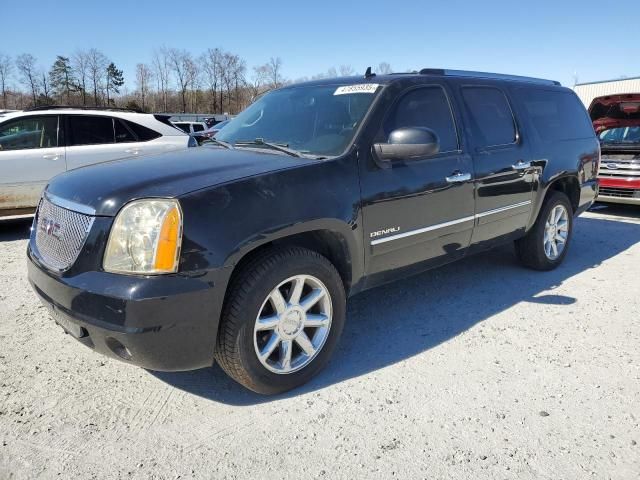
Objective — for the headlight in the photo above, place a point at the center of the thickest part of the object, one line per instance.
(145, 238)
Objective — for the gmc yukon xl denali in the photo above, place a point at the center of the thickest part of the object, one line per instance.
(244, 252)
(616, 120)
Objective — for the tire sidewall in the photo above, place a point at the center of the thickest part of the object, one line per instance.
(270, 382)
(556, 199)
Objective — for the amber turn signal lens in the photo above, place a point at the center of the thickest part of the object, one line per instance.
(169, 242)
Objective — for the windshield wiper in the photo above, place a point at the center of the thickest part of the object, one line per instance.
(220, 142)
(284, 148)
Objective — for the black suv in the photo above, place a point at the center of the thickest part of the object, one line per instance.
(246, 250)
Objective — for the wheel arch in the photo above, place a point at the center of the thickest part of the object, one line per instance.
(333, 241)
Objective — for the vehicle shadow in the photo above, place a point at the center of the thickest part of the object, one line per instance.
(12, 229)
(616, 209)
(391, 323)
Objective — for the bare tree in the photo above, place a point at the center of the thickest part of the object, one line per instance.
(44, 83)
(80, 62)
(161, 67)
(212, 69)
(97, 64)
(144, 76)
(275, 71)
(193, 80)
(332, 72)
(259, 81)
(26, 64)
(6, 68)
(179, 61)
(346, 70)
(384, 68)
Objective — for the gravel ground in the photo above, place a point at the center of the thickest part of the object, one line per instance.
(480, 369)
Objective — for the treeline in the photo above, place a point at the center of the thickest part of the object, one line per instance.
(175, 80)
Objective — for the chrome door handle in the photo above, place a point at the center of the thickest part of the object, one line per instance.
(51, 156)
(458, 177)
(520, 165)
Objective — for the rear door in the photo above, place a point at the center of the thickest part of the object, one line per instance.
(92, 139)
(502, 162)
(30, 156)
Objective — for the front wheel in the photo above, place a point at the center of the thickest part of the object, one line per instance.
(282, 319)
(545, 245)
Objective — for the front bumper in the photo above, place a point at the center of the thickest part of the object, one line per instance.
(624, 190)
(166, 323)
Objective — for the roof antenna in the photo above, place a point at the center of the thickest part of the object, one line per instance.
(368, 73)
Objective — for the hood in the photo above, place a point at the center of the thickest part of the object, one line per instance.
(106, 187)
(613, 111)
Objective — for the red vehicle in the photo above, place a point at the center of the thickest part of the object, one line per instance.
(616, 120)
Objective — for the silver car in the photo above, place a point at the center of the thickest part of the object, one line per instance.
(37, 144)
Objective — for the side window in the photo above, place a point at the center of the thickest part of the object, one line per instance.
(491, 118)
(123, 134)
(28, 133)
(88, 130)
(555, 115)
(197, 127)
(144, 134)
(425, 107)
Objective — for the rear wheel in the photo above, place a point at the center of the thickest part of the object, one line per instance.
(282, 320)
(546, 244)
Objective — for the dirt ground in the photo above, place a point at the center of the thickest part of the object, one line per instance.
(478, 370)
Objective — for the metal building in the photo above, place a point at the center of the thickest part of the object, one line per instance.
(588, 91)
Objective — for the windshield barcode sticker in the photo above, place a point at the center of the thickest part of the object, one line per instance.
(361, 88)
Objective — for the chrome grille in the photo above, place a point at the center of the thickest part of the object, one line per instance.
(60, 234)
(618, 192)
(611, 166)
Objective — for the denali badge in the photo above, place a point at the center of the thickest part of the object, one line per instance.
(386, 231)
(51, 228)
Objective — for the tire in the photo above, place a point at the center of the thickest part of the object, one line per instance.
(252, 297)
(531, 249)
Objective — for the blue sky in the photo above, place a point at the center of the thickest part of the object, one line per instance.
(541, 38)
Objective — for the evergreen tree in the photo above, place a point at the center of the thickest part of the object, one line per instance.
(62, 79)
(115, 80)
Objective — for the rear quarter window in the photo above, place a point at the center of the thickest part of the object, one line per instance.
(144, 134)
(555, 115)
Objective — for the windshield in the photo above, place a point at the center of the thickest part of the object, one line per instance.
(621, 135)
(314, 120)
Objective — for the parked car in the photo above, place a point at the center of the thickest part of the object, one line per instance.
(616, 119)
(247, 251)
(209, 132)
(37, 144)
(191, 127)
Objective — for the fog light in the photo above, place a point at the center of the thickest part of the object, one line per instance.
(118, 348)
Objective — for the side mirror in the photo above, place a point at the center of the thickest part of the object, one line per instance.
(408, 143)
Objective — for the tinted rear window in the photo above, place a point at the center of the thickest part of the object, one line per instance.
(197, 127)
(555, 115)
(491, 117)
(87, 130)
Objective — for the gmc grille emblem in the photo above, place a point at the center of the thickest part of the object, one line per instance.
(51, 228)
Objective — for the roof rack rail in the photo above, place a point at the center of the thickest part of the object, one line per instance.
(57, 107)
(497, 76)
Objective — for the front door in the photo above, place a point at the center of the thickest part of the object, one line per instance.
(29, 158)
(502, 162)
(417, 213)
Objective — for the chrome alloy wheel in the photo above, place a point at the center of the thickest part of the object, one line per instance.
(293, 324)
(556, 232)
